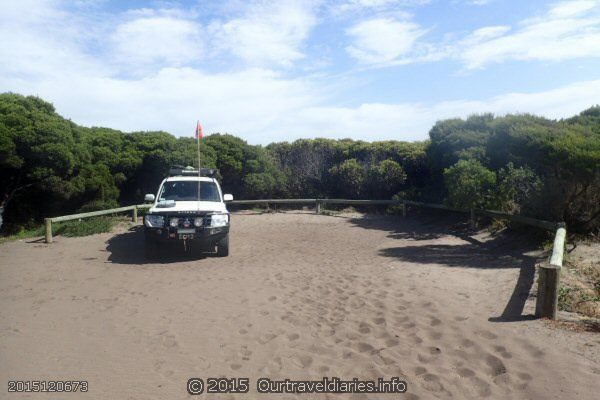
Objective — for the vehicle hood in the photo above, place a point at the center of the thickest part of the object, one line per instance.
(183, 206)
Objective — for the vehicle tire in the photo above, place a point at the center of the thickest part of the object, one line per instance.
(223, 247)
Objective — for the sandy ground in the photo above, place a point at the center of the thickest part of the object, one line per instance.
(301, 296)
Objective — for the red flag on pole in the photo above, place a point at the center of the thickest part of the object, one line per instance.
(199, 131)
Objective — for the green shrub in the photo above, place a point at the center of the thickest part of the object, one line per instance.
(84, 227)
(470, 185)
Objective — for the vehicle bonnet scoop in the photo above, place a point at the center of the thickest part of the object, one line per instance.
(165, 204)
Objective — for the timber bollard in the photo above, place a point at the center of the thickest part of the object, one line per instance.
(318, 207)
(404, 209)
(48, 223)
(473, 221)
(134, 217)
(546, 304)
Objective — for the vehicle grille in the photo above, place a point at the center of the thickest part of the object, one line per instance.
(187, 220)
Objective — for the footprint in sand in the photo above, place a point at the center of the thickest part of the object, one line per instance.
(503, 352)
(486, 335)
(303, 360)
(382, 360)
(245, 353)
(432, 354)
(435, 335)
(274, 366)
(293, 336)
(364, 347)
(266, 338)
(524, 376)
(465, 372)
(496, 365)
(482, 389)
(364, 328)
(409, 325)
(415, 339)
(323, 369)
(432, 383)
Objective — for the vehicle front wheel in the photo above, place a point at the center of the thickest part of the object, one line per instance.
(223, 247)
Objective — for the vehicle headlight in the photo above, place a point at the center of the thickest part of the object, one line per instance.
(154, 221)
(198, 222)
(174, 222)
(217, 220)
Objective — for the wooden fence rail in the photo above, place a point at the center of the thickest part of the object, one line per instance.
(549, 272)
(134, 212)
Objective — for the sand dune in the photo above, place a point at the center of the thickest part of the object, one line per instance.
(301, 297)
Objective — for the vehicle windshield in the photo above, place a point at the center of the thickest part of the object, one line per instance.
(188, 191)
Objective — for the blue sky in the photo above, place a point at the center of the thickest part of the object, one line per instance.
(282, 70)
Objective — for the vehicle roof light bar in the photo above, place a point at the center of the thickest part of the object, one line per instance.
(178, 170)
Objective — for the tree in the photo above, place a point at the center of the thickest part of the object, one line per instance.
(469, 185)
(385, 179)
(349, 177)
(519, 163)
(517, 187)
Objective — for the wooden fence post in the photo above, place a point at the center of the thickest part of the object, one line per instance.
(472, 219)
(318, 207)
(546, 304)
(48, 222)
(403, 208)
(134, 217)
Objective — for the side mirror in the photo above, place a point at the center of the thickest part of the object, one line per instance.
(227, 197)
(149, 198)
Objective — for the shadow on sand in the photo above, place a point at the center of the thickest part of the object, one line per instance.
(508, 249)
(128, 248)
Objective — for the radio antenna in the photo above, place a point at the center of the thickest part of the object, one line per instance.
(198, 137)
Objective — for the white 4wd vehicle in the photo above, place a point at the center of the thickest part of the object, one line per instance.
(190, 209)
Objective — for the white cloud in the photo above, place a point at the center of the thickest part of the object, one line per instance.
(261, 106)
(412, 121)
(382, 40)
(487, 33)
(157, 39)
(37, 39)
(569, 30)
(45, 53)
(374, 5)
(267, 33)
(572, 8)
(478, 2)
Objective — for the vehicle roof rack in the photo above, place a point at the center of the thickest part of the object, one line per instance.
(178, 170)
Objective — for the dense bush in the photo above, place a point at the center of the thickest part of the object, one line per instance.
(518, 163)
(470, 185)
